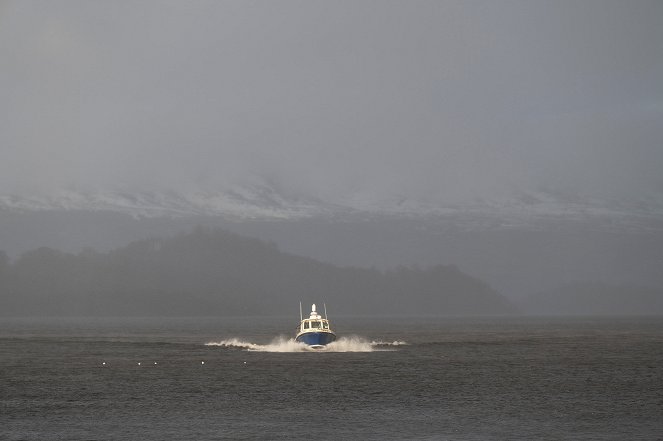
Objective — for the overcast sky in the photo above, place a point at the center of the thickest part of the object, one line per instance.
(436, 100)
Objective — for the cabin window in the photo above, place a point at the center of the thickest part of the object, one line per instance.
(306, 325)
(315, 325)
(325, 325)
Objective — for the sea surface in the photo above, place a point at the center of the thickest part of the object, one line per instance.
(387, 378)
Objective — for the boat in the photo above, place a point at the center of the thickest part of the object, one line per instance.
(314, 331)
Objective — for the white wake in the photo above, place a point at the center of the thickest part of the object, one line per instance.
(283, 344)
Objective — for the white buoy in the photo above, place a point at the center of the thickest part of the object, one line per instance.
(202, 362)
(155, 362)
(104, 363)
(139, 363)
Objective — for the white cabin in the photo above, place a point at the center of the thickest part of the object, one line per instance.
(315, 322)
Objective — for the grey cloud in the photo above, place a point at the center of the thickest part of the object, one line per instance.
(435, 100)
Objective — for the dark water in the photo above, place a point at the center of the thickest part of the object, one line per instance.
(524, 378)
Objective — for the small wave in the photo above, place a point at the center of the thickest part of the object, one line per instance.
(387, 343)
(282, 344)
(350, 344)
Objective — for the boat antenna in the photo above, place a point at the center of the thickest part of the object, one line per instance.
(325, 306)
(301, 317)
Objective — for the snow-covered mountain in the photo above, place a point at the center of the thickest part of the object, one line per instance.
(261, 202)
(235, 203)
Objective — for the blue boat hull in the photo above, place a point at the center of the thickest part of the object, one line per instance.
(316, 338)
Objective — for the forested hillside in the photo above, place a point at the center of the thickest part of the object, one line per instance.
(213, 272)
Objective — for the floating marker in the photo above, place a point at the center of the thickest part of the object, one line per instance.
(244, 362)
(155, 362)
(202, 362)
(139, 363)
(104, 363)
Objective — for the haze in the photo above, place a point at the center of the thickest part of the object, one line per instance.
(433, 100)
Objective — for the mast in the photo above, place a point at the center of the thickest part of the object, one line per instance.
(325, 306)
(301, 317)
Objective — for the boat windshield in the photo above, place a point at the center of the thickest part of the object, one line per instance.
(315, 324)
